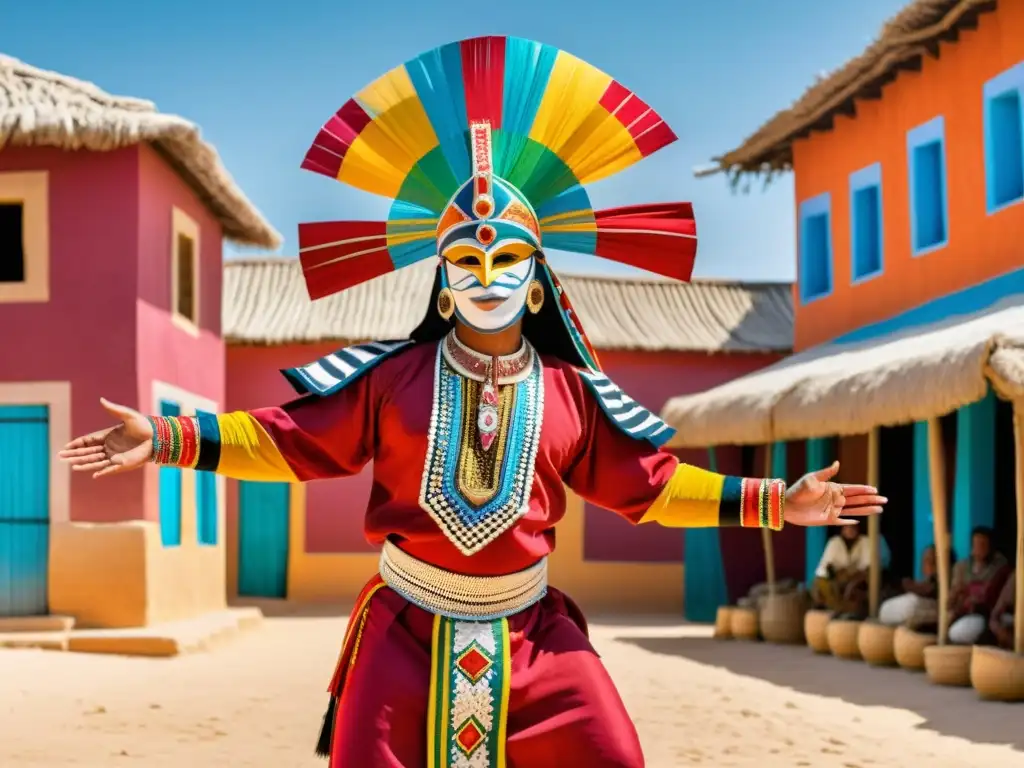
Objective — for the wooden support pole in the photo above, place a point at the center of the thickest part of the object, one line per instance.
(766, 534)
(1018, 611)
(937, 477)
(874, 531)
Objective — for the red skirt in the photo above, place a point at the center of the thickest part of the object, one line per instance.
(560, 705)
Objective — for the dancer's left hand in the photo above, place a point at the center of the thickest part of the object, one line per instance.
(815, 500)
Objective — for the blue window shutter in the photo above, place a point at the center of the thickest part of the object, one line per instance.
(929, 214)
(206, 508)
(170, 491)
(815, 248)
(1004, 139)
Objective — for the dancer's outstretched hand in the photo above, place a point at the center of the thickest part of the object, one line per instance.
(126, 446)
(815, 500)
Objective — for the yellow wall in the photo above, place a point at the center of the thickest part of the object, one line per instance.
(121, 575)
(321, 577)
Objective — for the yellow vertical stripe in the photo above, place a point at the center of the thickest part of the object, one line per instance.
(446, 680)
(435, 648)
(690, 499)
(506, 688)
(398, 136)
(248, 452)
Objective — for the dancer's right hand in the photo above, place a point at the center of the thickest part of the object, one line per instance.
(121, 448)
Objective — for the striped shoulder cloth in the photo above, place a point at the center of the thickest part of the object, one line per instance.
(333, 372)
(626, 413)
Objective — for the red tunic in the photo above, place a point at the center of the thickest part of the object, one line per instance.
(385, 417)
(561, 706)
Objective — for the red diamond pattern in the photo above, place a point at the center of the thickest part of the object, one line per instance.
(470, 736)
(473, 663)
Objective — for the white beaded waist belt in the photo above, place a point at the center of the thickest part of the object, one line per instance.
(466, 598)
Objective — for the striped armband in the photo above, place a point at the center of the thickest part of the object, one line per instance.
(192, 442)
(753, 503)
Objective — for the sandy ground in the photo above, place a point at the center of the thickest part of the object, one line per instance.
(258, 701)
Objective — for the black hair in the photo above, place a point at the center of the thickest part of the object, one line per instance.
(546, 330)
(983, 530)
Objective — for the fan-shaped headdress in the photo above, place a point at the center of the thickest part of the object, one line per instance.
(483, 137)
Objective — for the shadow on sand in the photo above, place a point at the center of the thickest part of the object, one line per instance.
(274, 609)
(950, 711)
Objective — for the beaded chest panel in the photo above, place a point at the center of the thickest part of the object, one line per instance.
(476, 494)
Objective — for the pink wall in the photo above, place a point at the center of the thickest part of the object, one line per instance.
(161, 190)
(652, 379)
(110, 242)
(83, 334)
(334, 508)
(166, 353)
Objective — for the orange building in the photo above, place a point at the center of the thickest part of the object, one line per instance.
(909, 179)
(912, 193)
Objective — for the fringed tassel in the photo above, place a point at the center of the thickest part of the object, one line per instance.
(323, 744)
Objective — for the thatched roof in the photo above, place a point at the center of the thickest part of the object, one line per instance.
(265, 303)
(912, 33)
(40, 108)
(847, 389)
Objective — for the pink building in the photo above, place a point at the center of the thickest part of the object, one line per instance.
(654, 338)
(112, 218)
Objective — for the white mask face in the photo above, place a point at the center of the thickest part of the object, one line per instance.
(495, 306)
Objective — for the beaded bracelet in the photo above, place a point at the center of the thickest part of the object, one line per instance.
(175, 440)
(763, 503)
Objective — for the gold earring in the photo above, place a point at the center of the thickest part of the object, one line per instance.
(535, 297)
(445, 304)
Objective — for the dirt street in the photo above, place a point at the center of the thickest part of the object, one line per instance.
(257, 701)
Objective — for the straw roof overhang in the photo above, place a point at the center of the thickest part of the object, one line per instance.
(847, 389)
(914, 32)
(40, 108)
(266, 304)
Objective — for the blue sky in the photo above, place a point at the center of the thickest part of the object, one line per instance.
(261, 77)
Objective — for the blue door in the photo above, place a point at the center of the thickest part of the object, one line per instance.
(24, 509)
(263, 539)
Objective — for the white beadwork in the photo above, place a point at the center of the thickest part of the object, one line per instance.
(468, 631)
(470, 699)
(470, 537)
(460, 596)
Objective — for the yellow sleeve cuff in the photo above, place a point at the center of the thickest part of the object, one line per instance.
(696, 498)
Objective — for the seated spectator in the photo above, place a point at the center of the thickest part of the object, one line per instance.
(841, 581)
(1001, 620)
(977, 581)
(919, 599)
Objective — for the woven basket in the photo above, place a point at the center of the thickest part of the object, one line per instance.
(877, 644)
(842, 638)
(816, 630)
(743, 623)
(908, 647)
(723, 623)
(997, 674)
(782, 617)
(948, 664)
